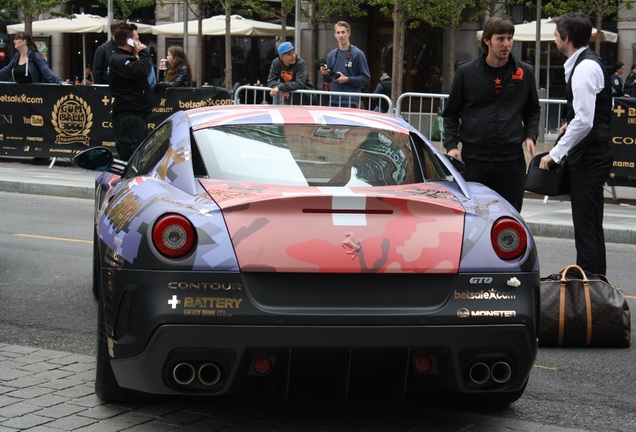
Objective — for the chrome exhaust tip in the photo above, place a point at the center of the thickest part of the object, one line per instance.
(183, 373)
(479, 373)
(501, 372)
(209, 374)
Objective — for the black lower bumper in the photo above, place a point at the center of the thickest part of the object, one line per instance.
(452, 350)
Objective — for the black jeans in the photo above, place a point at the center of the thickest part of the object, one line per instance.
(506, 178)
(130, 130)
(588, 170)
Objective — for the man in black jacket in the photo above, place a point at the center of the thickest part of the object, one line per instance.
(129, 67)
(103, 53)
(495, 99)
(616, 80)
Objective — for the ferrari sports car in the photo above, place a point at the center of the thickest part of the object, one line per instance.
(306, 246)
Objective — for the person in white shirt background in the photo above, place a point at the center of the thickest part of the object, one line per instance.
(586, 137)
(616, 80)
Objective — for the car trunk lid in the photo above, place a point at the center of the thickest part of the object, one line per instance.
(415, 228)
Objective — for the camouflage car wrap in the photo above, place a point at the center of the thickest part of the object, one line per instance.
(279, 271)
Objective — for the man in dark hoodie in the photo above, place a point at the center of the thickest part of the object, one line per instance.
(129, 67)
(287, 73)
(384, 87)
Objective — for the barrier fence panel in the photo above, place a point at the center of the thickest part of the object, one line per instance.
(50, 120)
(250, 94)
(423, 111)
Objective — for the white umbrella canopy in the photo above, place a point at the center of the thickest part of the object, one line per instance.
(82, 23)
(527, 32)
(215, 26)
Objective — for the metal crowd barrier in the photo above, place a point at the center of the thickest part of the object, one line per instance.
(421, 110)
(252, 94)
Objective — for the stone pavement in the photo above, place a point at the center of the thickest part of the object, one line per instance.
(52, 391)
(48, 391)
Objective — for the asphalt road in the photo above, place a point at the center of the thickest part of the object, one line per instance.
(46, 302)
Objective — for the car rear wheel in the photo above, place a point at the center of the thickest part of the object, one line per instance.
(97, 276)
(106, 386)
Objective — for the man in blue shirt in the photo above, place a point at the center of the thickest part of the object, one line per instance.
(346, 69)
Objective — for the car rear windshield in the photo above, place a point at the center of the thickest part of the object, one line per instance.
(303, 155)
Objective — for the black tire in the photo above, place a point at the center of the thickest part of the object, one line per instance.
(106, 387)
(97, 268)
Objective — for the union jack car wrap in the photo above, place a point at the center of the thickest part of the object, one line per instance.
(246, 245)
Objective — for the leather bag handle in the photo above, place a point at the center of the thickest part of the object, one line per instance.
(588, 304)
(564, 272)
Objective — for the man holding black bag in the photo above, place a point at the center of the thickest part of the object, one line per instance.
(586, 138)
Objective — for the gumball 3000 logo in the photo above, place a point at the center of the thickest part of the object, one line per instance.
(72, 119)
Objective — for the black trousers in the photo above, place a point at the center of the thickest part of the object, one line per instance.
(505, 178)
(130, 130)
(588, 170)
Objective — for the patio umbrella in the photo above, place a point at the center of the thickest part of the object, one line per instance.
(215, 26)
(527, 32)
(81, 23)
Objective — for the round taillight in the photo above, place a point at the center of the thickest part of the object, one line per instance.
(173, 236)
(509, 239)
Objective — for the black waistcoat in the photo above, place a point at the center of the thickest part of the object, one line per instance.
(600, 133)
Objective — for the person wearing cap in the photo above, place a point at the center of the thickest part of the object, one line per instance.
(383, 87)
(287, 73)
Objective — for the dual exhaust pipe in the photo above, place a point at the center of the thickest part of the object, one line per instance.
(481, 373)
(205, 375)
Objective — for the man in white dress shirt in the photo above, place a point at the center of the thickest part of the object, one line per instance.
(586, 137)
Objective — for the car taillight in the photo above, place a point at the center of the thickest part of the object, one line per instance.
(509, 239)
(173, 236)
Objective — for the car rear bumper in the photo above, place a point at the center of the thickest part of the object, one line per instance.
(342, 351)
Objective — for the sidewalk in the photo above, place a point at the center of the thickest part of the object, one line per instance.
(545, 219)
(52, 391)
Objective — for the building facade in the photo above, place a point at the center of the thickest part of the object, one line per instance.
(426, 63)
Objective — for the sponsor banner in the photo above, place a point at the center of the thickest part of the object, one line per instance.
(623, 129)
(49, 120)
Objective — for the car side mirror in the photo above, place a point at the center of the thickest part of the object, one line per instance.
(94, 159)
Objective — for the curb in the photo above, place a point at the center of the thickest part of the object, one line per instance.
(65, 191)
(554, 229)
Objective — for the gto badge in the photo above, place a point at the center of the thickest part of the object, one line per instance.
(480, 280)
